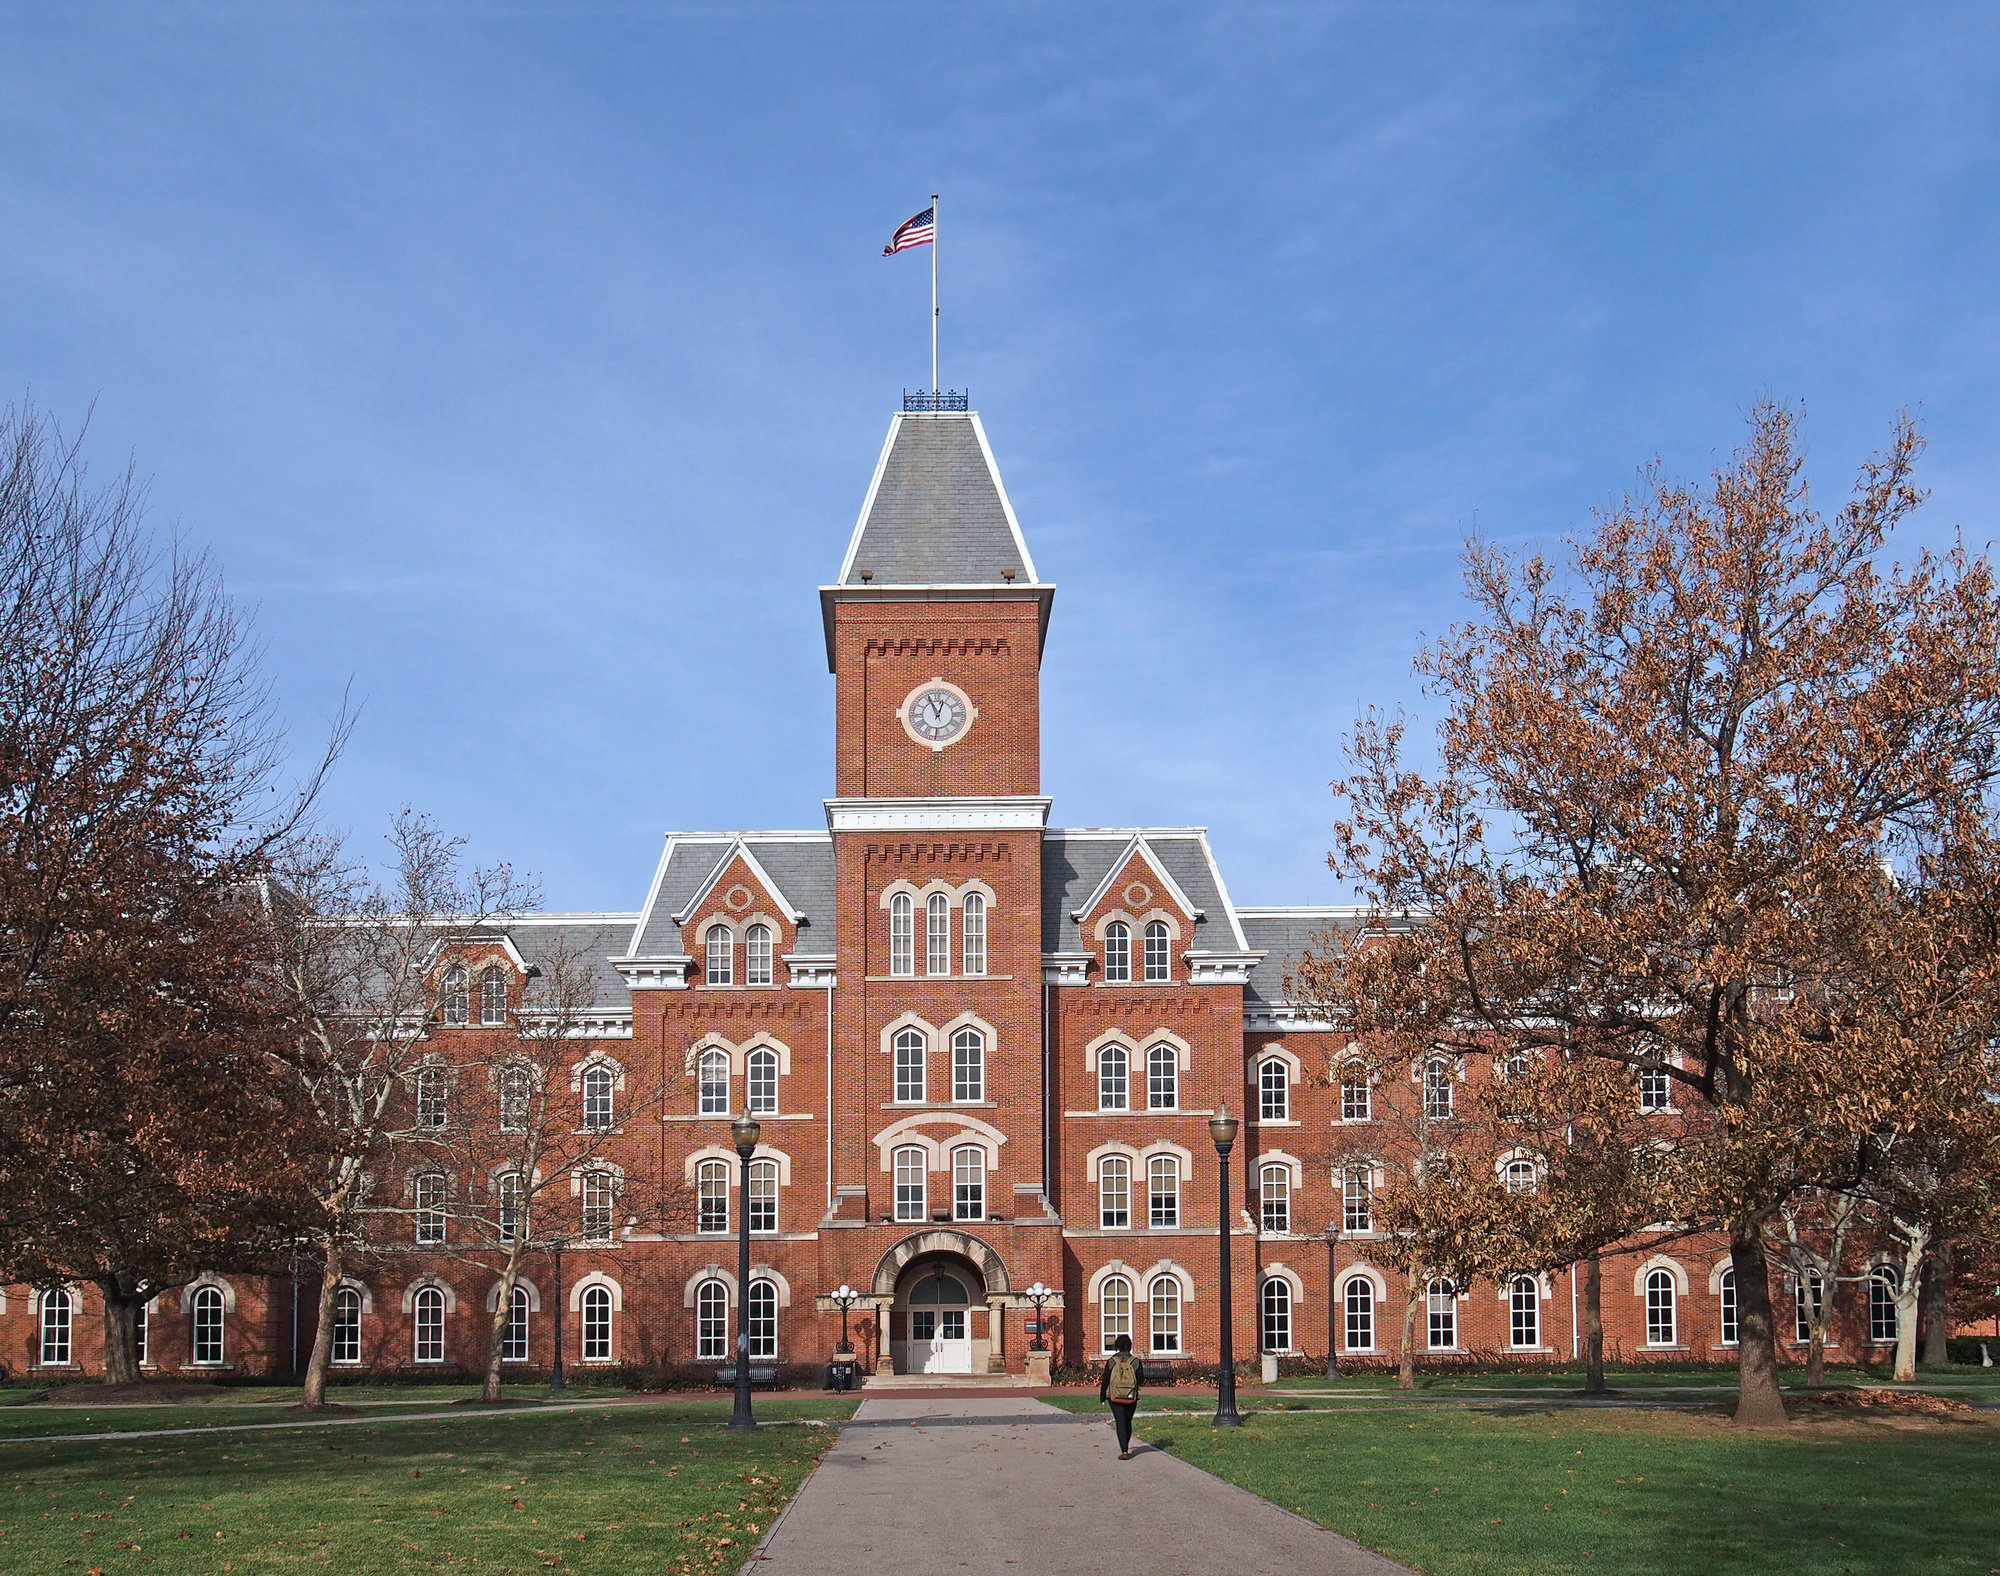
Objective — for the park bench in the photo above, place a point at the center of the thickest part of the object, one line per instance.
(761, 1377)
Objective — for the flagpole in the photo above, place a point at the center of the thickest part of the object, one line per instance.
(934, 303)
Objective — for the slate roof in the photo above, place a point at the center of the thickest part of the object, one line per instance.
(1283, 935)
(592, 939)
(1076, 861)
(936, 512)
(800, 865)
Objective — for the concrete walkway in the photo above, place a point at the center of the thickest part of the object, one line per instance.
(1005, 1486)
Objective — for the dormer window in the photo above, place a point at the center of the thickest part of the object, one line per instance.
(1117, 953)
(757, 955)
(493, 996)
(721, 951)
(1158, 958)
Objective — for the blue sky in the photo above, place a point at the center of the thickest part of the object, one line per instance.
(525, 364)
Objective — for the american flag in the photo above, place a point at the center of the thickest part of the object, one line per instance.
(918, 230)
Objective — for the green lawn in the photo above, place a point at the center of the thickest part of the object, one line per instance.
(1460, 1491)
(658, 1488)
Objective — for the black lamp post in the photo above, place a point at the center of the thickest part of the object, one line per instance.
(1039, 1295)
(1222, 1127)
(844, 1299)
(1332, 1305)
(745, 1130)
(556, 1245)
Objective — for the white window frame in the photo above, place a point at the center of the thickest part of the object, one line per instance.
(492, 997)
(937, 936)
(1275, 1308)
(1662, 1308)
(510, 1195)
(433, 1098)
(1163, 1322)
(968, 1066)
(762, 1324)
(454, 1001)
(597, 1198)
(763, 1203)
(902, 935)
(427, 1199)
(1114, 1304)
(711, 1183)
(595, 1308)
(711, 1321)
(514, 1338)
(1274, 1199)
(1117, 953)
(972, 937)
(1519, 1176)
(209, 1326)
(718, 952)
(1163, 1078)
(1656, 1091)
(1114, 1078)
(757, 955)
(1729, 1310)
(1440, 1097)
(1274, 1090)
(910, 1174)
(427, 1311)
(1163, 1192)
(1811, 1284)
(760, 1081)
(1114, 1193)
(516, 1097)
(1158, 956)
(1524, 1314)
(1882, 1289)
(1357, 1200)
(57, 1342)
(910, 1048)
(1441, 1315)
(346, 1340)
(1357, 1094)
(600, 1085)
(968, 1182)
(1357, 1304)
(711, 1092)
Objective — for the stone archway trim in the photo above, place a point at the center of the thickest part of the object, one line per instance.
(940, 1240)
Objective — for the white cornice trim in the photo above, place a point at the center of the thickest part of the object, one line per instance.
(1284, 1016)
(1221, 968)
(1065, 968)
(814, 972)
(1005, 813)
(661, 973)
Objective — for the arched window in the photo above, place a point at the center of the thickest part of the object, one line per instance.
(1660, 1311)
(433, 1108)
(1114, 1192)
(1441, 1303)
(763, 1082)
(1163, 1191)
(937, 934)
(1358, 1303)
(902, 934)
(346, 1325)
(1274, 1198)
(1357, 1199)
(1514, 1066)
(596, 1324)
(1274, 1090)
(1524, 1312)
(711, 1187)
(1356, 1097)
(517, 1089)
(599, 1192)
(598, 1085)
(511, 1196)
(763, 1198)
(910, 1047)
(968, 1065)
(1117, 953)
(492, 996)
(1655, 1090)
(427, 1194)
(757, 955)
(1808, 1297)
(713, 1076)
(1114, 1301)
(719, 950)
(514, 1339)
(452, 1002)
(1166, 1301)
(763, 1320)
(1437, 1090)
(1725, 1297)
(711, 1320)
(1519, 1176)
(1158, 958)
(208, 1312)
(972, 950)
(1277, 1301)
(428, 1325)
(1114, 1079)
(1882, 1320)
(58, 1314)
(968, 1183)
(1163, 1077)
(912, 1173)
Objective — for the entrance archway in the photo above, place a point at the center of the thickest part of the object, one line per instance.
(935, 1310)
(943, 1291)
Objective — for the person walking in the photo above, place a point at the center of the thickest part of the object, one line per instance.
(1120, 1389)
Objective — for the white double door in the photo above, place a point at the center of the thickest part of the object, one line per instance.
(940, 1342)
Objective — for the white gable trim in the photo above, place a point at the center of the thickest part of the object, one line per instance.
(1138, 845)
(736, 847)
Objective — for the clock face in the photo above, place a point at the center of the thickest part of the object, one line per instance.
(937, 713)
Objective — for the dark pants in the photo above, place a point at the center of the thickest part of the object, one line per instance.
(1121, 1419)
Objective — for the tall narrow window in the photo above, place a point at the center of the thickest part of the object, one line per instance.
(719, 953)
(427, 1194)
(711, 1320)
(910, 1047)
(452, 1002)
(1166, 1300)
(764, 1198)
(937, 934)
(1725, 1296)
(599, 1193)
(762, 1071)
(492, 996)
(902, 934)
(142, 1332)
(1163, 1078)
(1114, 1192)
(1274, 1090)
(1114, 1301)
(347, 1325)
(516, 1091)
(1163, 1191)
(972, 947)
(763, 1320)
(1660, 1320)
(1274, 1198)
(912, 1172)
(714, 1081)
(1114, 1079)
(432, 1108)
(1356, 1096)
(58, 1314)
(1518, 1175)
(1358, 1303)
(1441, 1303)
(1655, 1090)
(757, 955)
(208, 1312)
(1882, 1320)
(1808, 1297)
(1437, 1090)
(598, 1086)
(514, 1339)
(1357, 1199)
(712, 1197)
(1277, 1300)
(1524, 1313)
(596, 1324)
(968, 1065)
(510, 1195)
(428, 1325)
(1159, 964)
(968, 1183)
(1117, 953)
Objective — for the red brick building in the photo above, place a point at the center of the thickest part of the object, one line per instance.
(983, 1050)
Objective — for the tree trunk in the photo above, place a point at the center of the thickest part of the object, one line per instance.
(1758, 1399)
(1593, 1325)
(1406, 1356)
(312, 1394)
(1916, 1238)
(121, 1331)
(496, 1335)
(1937, 1314)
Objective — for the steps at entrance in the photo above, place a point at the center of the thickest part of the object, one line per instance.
(947, 1382)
